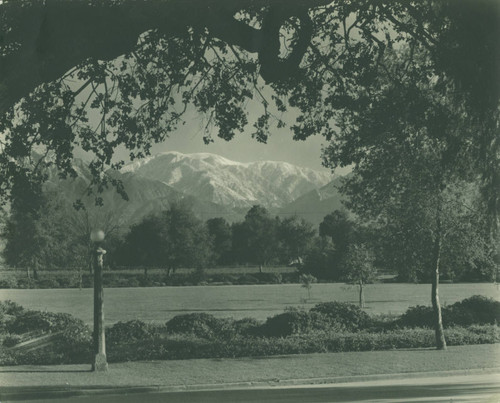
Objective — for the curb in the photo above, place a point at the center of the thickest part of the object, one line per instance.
(61, 391)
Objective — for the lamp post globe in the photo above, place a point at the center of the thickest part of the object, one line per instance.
(97, 235)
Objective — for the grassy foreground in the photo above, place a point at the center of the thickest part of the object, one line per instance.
(216, 371)
(159, 304)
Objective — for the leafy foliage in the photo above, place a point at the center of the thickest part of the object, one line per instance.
(343, 314)
(476, 310)
(130, 332)
(201, 325)
(295, 321)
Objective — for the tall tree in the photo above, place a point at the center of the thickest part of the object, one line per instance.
(220, 232)
(320, 260)
(342, 231)
(295, 237)
(186, 242)
(144, 244)
(255, 239)
(175, 238)
(410, 141)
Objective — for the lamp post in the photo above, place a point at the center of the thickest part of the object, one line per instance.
(100, 363)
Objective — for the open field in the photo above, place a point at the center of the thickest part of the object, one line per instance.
(259, 301)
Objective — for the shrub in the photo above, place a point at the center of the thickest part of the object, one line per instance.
(343, 314)
(67, 282)
(418, 316)
(10, 308)
(247, 279)
(75, 343)
(295, 321)
(201, 325)
(246, 326)
(37, 321)
(131, 331)
(47, 283)
(9, 282)
(474, 310)
(23, 282)
(11, 340)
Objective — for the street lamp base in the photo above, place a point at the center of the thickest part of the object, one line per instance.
(100, 363)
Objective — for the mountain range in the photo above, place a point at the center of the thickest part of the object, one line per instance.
(213, 186)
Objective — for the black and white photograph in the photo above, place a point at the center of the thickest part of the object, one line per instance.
(250, 201)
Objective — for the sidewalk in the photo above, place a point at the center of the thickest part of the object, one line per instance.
(24, 382)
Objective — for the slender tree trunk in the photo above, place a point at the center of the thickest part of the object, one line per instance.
(260, 268)
(361, 295)
(91, 266)
(80, 282)
(438, 319)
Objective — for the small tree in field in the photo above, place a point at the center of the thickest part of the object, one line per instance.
(359, 268)
(307, 281)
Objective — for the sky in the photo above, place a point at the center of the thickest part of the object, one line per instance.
(243, 148)
(188, 138)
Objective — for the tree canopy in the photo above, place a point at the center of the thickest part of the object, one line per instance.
(140, 65)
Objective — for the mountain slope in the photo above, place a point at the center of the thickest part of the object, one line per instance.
(216, 179)
(145, 197)
(314, 205)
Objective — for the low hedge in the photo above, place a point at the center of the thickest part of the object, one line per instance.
(190, 347)
(328, 327)
(113, 279)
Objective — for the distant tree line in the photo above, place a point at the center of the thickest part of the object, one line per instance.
(343, 248)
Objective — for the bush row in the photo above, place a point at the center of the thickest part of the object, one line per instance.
(121, 279)
(177, 347)
(474, 310)
(327, 327)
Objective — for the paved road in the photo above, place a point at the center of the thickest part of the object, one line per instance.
(476, 388)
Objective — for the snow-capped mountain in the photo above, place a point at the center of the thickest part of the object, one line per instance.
(219, 180)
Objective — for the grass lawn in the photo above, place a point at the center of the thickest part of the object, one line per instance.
(190, 372)
(258, 301)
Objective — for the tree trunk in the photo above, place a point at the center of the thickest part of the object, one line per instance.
(438, 319)
(91, 266)
(260, 268)
(361, 295)
(80, 278)
(46, 32)
(29, 276)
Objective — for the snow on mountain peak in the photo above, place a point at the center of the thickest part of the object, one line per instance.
(217, 179)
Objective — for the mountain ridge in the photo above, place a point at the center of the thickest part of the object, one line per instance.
(217, 179)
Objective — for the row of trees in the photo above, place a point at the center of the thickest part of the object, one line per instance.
(57, 236)
(176, 238)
